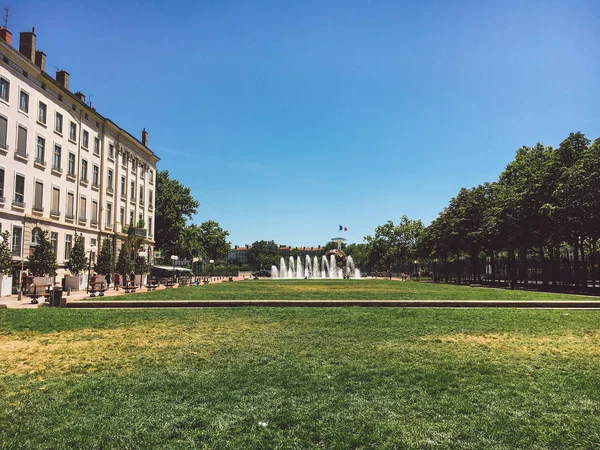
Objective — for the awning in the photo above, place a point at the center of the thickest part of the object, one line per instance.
(170, 268)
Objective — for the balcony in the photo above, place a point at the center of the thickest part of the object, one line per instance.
(94, 222)
(55, 212)
(57, 171)
(2, 199)
(69, 216)
(16, 250)
(22, 156)
(4, 148)
(141, 203)
(109, 190)
(140, 232)
(84, 182)
(38, 208)
(82, 219)
(40, 164)
(18, 204)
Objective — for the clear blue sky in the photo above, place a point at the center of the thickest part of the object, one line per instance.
(289, 118)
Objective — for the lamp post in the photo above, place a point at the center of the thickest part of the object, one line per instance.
(416, 261)
(92, 250)
(173, 259)
(212, 262)
(194, 261)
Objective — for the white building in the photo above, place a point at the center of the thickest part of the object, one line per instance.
(64, 167)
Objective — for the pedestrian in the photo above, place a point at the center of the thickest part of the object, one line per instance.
(132, 279)
(107, 278)
(117, 279)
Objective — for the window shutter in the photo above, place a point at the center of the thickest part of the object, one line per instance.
(22, 140)
(3, 125)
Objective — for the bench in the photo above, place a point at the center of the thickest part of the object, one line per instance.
(36, 291)
(130, 287)
(170, 284)
(93, 289)
(152, 286)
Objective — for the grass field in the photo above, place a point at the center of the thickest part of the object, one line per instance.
(340, 290)
(318, 378)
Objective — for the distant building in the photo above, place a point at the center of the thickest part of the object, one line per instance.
(65, 168)
(240, 254)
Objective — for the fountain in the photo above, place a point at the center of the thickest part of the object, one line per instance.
(334, 264)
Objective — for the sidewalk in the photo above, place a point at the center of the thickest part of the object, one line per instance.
(12, 301)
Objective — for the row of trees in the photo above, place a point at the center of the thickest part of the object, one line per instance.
(175, 205)
(538, 220)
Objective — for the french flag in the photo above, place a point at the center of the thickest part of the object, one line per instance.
(343, 228)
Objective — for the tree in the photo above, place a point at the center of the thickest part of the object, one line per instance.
(78, 260)
(174, 205)
(190, 245)
(5, 254)
(43, 261)
(105, 262)
(360, 254)
(213, 240)
(141, 265)
(263, 254)
(124, 265)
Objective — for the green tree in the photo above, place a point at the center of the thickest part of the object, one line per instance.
(105, 262)
(263, 254)
(174, 205)
(124, 265)
(78, 260)
(213, 240)
(43, 261)
(141, 265)
(360, 254)
(5, 254)
(191, 243)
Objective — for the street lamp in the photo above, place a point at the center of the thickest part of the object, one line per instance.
(416, 261)
(92, 250)
(212, 262)
(173, 259)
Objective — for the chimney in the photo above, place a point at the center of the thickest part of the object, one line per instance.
(6, 35)
(27, 44)
(40, 60)
(62, 76)
(145, 137)
(80, 96)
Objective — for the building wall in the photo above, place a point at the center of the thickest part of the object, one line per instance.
(97, 147)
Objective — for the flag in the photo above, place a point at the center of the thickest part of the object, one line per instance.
(343, 228)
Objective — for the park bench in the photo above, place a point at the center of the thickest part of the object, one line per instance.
(152, 285)
(97, 287)
(170, 284)
(36, 291)
(130, 287)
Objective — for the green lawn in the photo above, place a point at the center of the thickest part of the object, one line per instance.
(339, 290)
(318, 377)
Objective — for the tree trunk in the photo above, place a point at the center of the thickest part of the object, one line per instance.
(524, 267)
(577, 266)
(543, 266)
(493, 266)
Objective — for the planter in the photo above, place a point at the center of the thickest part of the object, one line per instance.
(5, 285)
(76, 282)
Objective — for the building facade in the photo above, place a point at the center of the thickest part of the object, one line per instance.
(65, 168)
(240, 254)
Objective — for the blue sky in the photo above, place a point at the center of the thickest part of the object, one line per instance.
(289, 118)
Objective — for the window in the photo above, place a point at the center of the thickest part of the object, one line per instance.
(94, 211)
(24, 102)
(20, 189)
(84, 170)
(122, 215)
(131, 217)
(38, 199)
(4, 89)
(56, 158)
(68, 245)
(54, 241)
(150, 225)
(70, 205)
(142, 172)
(132, 191)
(140, 217)
(39, 149)
(17, 234)
(109, 179)
(86, 139)
(95, 175)
(150, 199)
(1, 184)
(83, 209)
(108, 214)
(58, 123)
(55, 201)
(73, 131)
(133, 167)
(141, 194)
(111, 151)
(151, 177)
(123, 193)
(3, 128)
(42, 113)
(36, 237)
(96, 146)
(22, 141)
(71, 168)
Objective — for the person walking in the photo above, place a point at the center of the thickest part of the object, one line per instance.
(117, 279)
(107, 277)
